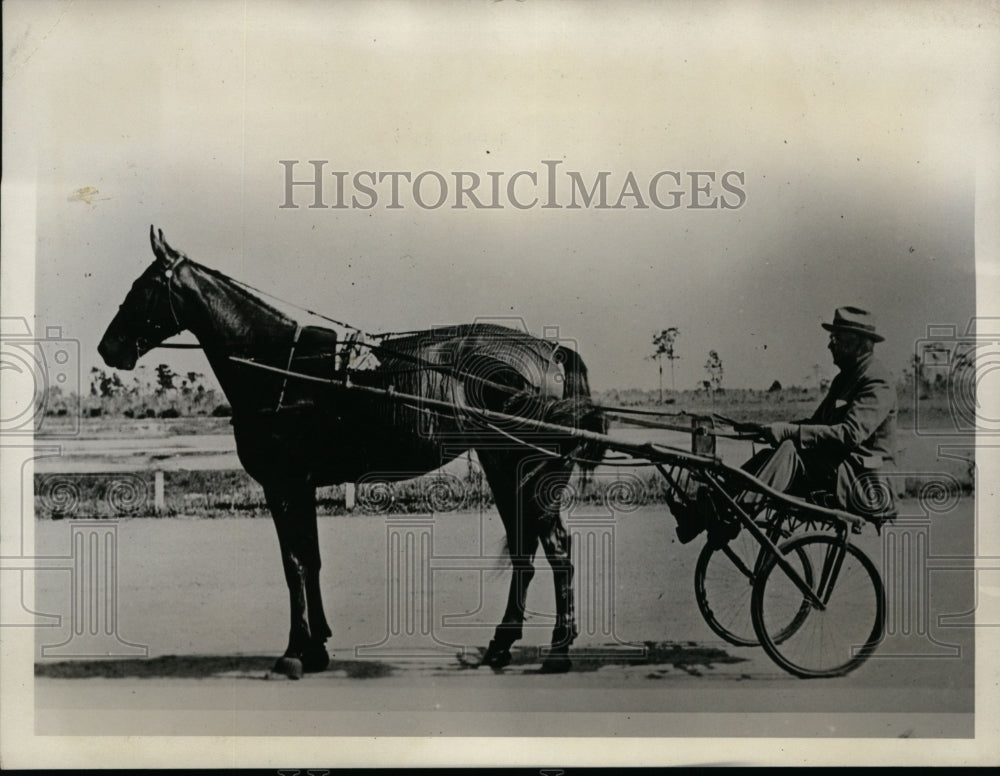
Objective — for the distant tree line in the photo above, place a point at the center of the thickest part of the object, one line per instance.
(931, 372)
(157, 393)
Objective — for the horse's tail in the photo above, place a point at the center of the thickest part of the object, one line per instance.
(583, 413)
(579, 413)
(502, 558)
(575, 410)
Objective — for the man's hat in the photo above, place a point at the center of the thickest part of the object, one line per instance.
(854, 320)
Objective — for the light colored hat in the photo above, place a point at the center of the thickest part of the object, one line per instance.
(854, 320)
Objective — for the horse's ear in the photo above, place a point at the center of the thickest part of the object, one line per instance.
(157, 245)
(168, 254)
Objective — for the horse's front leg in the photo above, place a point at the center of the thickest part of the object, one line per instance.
(293, 507)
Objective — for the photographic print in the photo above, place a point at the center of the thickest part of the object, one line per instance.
(506, 383)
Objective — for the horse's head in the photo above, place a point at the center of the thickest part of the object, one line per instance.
(148, 315)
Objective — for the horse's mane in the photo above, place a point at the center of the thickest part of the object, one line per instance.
(243, 289)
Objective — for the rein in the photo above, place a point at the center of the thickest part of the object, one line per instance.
(424, 363)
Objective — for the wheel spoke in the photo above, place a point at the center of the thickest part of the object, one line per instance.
(835, 639)
(724, 580)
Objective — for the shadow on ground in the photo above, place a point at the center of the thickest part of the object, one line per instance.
(191, 667)
(689, 657)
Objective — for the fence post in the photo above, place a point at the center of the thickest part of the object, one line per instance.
(159, 503)
(349, 495)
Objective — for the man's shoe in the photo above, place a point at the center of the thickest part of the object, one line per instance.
(720, 529)
(689, 522)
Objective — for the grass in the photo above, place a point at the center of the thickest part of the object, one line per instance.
(233, 493)
(753, 406)
(91, 416)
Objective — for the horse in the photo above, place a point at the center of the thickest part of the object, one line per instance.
(293, 436)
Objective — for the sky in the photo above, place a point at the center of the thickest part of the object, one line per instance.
(855, 131)
(866, 135)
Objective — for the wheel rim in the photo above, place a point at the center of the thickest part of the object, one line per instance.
(724, 590)
(830, 641)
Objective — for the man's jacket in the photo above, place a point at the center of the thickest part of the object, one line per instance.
(854, 432)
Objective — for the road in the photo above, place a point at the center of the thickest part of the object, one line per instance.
(206, 600)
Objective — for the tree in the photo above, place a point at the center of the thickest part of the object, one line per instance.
(916, 374)
(714, 368)
(817, 375)
(937, 362)
(190, 381)
(962, 377)
(664, 344)
(105, 385)
(164, 378)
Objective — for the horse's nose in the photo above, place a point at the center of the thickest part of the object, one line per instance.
(108, 352)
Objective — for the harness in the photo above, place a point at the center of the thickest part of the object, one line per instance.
(291, 355)
(345, 363)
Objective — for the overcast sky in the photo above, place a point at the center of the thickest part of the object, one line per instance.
(855, 130)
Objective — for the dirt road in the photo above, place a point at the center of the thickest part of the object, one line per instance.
(206, 601)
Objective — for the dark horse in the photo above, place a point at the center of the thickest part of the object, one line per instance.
(293, 436)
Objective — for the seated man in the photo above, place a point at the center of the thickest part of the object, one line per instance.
(849, 437)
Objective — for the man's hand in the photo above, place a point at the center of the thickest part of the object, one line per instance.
(776, 433)
(772, 434)
(748, 428)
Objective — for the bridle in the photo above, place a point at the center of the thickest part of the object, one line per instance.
(166, 277)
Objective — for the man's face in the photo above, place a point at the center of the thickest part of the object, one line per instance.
(845, 347)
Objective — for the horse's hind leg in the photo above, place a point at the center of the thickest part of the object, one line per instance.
(510, 628)
(522, 541)
(293, 507)
(556, 543)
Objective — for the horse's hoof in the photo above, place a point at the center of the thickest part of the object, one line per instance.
(562, 637)
(556, 664)
(289, 666)
(315, 661)
(496, 657)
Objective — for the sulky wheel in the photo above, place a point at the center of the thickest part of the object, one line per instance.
(723, 586)
(828, 641)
